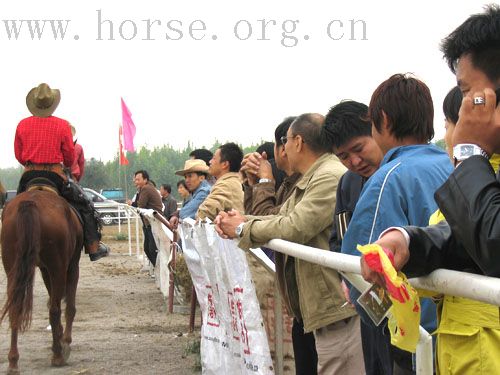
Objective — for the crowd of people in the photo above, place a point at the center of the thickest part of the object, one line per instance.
(359, 174)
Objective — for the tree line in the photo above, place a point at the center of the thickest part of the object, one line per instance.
(160, 162)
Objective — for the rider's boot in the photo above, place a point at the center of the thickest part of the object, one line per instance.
(96, 250)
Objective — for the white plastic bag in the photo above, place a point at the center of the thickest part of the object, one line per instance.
(233, 338)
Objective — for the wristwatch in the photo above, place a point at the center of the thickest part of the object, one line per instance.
(262, 180)
(466, 150)
(239, 230)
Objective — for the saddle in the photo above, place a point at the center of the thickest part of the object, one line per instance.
(41, 183)
(44, 184)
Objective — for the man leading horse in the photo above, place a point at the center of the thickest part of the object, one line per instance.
(44, 146)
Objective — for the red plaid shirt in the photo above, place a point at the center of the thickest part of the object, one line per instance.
(44, 140)
(78, 167)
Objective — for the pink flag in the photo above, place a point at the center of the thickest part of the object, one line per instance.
(123, 159)
(128, 128)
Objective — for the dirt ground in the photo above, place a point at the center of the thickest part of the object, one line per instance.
(121, 326)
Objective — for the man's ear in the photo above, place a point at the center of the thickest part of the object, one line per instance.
(385, 123)
(300, 144)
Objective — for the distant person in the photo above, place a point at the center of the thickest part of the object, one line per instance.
(147, 197)
(42, 144)
(183, 191)
(202, 154)
(206, 156)
(227, 192)
(169, 202)
(78, 166)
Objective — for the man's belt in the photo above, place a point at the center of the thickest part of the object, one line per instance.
(49, 167)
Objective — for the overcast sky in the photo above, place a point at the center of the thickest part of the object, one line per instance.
(236, 83)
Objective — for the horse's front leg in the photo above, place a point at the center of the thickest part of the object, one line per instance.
(13, 354)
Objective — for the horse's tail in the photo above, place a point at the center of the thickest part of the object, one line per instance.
(19, 304)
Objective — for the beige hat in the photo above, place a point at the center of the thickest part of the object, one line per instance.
(73, 130)
(42, 101)
(193, 165)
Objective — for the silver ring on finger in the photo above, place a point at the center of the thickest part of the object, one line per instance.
(478, 100)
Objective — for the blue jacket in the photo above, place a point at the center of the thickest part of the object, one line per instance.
(191, 207)
(400, 193)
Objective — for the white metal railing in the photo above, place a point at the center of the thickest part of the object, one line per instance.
(460, 284)
(128, 213)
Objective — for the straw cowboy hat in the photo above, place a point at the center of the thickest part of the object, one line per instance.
(193, 165)
(42, 101)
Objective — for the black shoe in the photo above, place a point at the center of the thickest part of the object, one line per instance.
(102, 251)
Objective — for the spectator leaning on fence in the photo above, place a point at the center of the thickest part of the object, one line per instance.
(351, 132)
(401, 191)
(226, 193)
(262, 198)
(470, 239)
(312, 293)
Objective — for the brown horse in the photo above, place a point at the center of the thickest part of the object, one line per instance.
(39, 228)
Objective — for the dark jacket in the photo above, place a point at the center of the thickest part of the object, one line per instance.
(263, 199)
(170, 206)
(348, 193)
(149, 197)
(470, 201)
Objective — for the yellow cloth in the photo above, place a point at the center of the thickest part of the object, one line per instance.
(495, 162)
(404, 318)
(468, 337)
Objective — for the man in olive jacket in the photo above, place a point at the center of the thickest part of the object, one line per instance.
(312, 293)
(227, 192)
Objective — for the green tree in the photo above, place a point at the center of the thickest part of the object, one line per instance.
(441, 144)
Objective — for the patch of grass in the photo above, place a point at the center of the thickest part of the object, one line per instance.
(121, 237)
(193, 348)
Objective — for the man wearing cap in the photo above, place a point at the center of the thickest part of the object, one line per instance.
(195, 173)
(43, 145)
(227, 192)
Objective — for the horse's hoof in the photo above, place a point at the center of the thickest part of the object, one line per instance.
(58, 362)
(66, 351)
(13, 371)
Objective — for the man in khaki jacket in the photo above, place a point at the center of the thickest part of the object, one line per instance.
(227, 192)
(313, 293)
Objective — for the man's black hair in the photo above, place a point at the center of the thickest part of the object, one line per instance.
(167, 187)
(452, 103)
(478, 37)
(268, 147)
(282, 129)
(231, 153)
(347, 120)
(203, 154)
(143, 173)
